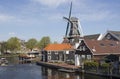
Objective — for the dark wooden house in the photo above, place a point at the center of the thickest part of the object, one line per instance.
(58, 53)
(97, 49)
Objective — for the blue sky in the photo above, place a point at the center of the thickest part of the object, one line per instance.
(27, 19)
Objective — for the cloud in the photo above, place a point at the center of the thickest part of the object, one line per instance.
(11, 33)
(51, 3)
(4, 18)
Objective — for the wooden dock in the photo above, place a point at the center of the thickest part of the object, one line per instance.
(61, 66)
(25, 59)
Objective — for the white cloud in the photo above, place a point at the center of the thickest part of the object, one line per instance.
(4, 18)
(11, 33)
(52, 3)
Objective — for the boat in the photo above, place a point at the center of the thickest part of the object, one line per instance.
(3, 62)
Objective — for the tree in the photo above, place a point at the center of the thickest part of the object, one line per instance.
(13, 44)
(3, 47)
(44, 42)
(31, 43)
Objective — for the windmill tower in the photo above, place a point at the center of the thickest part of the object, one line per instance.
(73, 33)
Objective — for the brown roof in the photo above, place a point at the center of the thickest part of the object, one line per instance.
(94, 36)
(103, 46)
(58, 47)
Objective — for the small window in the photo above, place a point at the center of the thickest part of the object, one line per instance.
(84, 48)
(88, 57)
(83, 56)
(49, 52)
(112, 44)
(56, 53)
(67, 52)
(80, 48)
(49, 57)
(102, 44)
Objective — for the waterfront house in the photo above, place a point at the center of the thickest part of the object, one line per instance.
(58, 53)
(96, 49)
(108, 35)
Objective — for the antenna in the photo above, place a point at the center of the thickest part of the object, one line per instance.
(69, 18)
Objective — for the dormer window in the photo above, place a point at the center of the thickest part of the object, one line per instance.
(112, 44)
(102, 44)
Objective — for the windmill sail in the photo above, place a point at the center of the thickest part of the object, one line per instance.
(69, 18)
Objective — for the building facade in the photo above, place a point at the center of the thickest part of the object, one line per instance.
(58, 53)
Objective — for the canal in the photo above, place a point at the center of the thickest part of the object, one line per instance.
(33, 71)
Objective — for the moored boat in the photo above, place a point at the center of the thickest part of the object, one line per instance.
(3, 62)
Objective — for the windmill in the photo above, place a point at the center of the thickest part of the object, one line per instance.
(68, 18)
(72, 34)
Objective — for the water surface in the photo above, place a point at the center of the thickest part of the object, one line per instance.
(33, 71)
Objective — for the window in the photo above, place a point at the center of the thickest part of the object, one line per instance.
(49, 52)
(84, 48)
(88, 57)
(49, 57)
(102, 44)
(108, 36)
(56, 53)
(80, 48)
(83, 56)
(112, 44)
(67, 52)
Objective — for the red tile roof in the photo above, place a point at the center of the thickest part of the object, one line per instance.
(58, 47)
(103, 46)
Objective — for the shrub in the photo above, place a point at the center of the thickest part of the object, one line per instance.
(90, 65)
(105, 65)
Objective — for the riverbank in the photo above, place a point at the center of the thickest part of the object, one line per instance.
(60, 66)
(67, 67)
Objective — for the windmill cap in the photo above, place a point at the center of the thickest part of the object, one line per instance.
(74, 19)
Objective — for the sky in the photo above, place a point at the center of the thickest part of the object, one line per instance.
(28, 19)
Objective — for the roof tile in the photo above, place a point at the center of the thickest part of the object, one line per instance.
(58, 47)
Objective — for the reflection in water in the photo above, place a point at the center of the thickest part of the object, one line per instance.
(55, 74)
(13, 60)
(32, 71)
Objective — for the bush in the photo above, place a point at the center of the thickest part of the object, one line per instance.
(90, 65)
(105, 65)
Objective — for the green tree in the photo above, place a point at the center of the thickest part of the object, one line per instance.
(13, 44)
(44, 42)
(3, 47)
(31, 43)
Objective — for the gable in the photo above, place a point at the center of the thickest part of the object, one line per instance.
(110, 36)
(83, 48)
